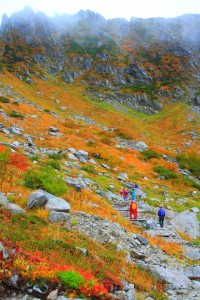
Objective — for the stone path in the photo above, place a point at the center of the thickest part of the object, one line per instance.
(168, 232)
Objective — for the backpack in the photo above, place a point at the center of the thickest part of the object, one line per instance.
(133, 205)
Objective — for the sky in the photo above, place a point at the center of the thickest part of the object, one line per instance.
(107, 8)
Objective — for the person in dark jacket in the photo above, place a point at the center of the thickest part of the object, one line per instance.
(161, 215)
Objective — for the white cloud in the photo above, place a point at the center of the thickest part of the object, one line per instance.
(107, 8)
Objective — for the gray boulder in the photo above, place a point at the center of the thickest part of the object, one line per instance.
(195, 209)
(15, 209)
(53, 129)
(5, 254)
(72, 156)
(187, 223)
(175, 278)
(56, 203)
(36, 199)
(142, 240)
(111, 196)
(145, 207)
(141, 146)
(56, 216)
(122, 176)
(193, 254)
(3, 200)
(81, 154)
(193, 272)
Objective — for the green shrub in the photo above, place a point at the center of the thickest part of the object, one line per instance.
(191, 183)
(148, 154)
(165, 172)
(191, 163)
(16, 114)
(27, 219)
(4, 99)
(89, 169)
(15, 103)
(54, 164)
(34, 157)
(55, 156)
(46, 179)
(196, 242)
(71, 279)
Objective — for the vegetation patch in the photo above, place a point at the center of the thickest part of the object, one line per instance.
(165, 172)
(191, 182)
(16, 114)
(4, 99)
(47, 179)
(71, 279)
(89, 169)
(191, 163)
(148, 154)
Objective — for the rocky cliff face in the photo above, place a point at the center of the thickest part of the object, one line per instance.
(129, 62)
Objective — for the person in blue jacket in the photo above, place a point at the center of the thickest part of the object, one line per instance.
(133, 194)
(161, 215)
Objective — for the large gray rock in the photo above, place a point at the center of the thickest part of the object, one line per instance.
(3, 200)
(111, 196)
(72, 156)
(122, 176)
(5, 254)
(193, 254)
(36, 199)
(175, 278)
(142, 240)
(56, 203)
(187, 223)
(53, 202)
(15, 209)
(82, 153)
(53, 295)
(58, 216)
(193, 271)
(141, 146)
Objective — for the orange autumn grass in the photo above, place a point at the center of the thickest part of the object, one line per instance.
(170, 248)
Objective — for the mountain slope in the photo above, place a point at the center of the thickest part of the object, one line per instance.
(88, 106)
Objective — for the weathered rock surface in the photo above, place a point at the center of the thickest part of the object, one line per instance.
(57, 216)
(36, 199)
(15, 209)
(187, 223)
(176, 279)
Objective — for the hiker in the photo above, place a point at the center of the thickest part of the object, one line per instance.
(133, 210)
(161, 215)
(133, 194)
(192, 193)
(124, 194)
(137, 189)
(121, 192)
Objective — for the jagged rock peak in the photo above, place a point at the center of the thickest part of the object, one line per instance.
(25, 17)
(90, 16)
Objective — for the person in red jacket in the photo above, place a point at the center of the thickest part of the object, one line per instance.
(124, 195)
(133, 210)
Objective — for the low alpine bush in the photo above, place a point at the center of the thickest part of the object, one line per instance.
(71, 279)
(165, 172)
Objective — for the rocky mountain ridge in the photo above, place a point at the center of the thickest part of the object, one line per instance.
(140, 63)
